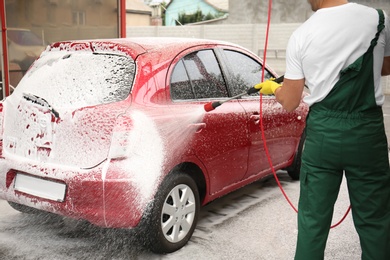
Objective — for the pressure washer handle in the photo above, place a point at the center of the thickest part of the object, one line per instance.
(253, 90)
(213, 105)
(280, 79)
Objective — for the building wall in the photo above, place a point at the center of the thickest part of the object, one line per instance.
(138, 13)
(134, 19)
(256, 11)
(55, 18)
(283, 11)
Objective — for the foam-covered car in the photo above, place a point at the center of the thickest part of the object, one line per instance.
(115, 132)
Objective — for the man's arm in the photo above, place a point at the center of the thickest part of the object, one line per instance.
(386, 66)
(289, 95)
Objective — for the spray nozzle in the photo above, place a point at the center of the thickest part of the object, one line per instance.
(213, 105)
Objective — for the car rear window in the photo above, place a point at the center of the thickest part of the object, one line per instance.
(79, 78)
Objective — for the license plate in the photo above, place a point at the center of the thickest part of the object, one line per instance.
(38, 187)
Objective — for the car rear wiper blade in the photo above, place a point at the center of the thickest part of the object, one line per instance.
(42, 102)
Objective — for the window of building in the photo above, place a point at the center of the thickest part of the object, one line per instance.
(78, 18)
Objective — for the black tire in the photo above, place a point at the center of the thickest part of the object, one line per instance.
(24, 209)
(170, 222)
(294, 170)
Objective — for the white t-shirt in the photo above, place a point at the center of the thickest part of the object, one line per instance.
(329, 41)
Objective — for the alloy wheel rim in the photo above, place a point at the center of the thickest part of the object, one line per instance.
(178, 213)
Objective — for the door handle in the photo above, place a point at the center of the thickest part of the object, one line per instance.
(198, 127)
(255, 118)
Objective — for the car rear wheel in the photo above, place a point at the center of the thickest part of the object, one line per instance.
(174, 214)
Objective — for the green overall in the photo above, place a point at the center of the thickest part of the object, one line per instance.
(345, 133)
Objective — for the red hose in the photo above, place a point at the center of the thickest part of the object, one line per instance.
(261, 110)
(262, 126)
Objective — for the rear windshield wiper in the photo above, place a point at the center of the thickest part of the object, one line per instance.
(42, 102)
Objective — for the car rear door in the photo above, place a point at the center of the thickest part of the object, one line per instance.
(221, 136)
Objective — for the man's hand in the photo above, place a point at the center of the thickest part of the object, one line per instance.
(267, 87)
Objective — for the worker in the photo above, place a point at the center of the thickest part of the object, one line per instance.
(340, 53)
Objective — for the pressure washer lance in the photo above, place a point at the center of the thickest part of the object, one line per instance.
(213, 105)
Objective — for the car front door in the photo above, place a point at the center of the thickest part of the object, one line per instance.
(244, 73)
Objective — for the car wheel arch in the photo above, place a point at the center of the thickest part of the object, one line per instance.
(196, 173)
(161, 233)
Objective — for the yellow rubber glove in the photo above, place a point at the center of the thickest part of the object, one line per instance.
(267, 87)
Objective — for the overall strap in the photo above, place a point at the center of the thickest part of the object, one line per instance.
(381, 26)
(358, 63)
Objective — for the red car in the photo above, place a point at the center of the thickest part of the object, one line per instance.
(115, 132)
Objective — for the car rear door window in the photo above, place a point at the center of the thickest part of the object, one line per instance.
(198, 76)
(180, 83)
(245, 72)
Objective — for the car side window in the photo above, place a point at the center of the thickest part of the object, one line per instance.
(198, 76)
(180, 84)
(245, 71)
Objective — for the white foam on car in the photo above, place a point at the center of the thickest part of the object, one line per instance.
(151, 143)
(145, 155)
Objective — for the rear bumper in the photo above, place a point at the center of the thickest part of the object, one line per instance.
(101, 195)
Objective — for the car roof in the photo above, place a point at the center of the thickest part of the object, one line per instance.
(155, 43)
(137, 45)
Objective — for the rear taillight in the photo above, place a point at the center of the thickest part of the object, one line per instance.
(119, 144)
(120, 138)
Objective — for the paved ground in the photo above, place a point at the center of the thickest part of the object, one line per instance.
(254, 222)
